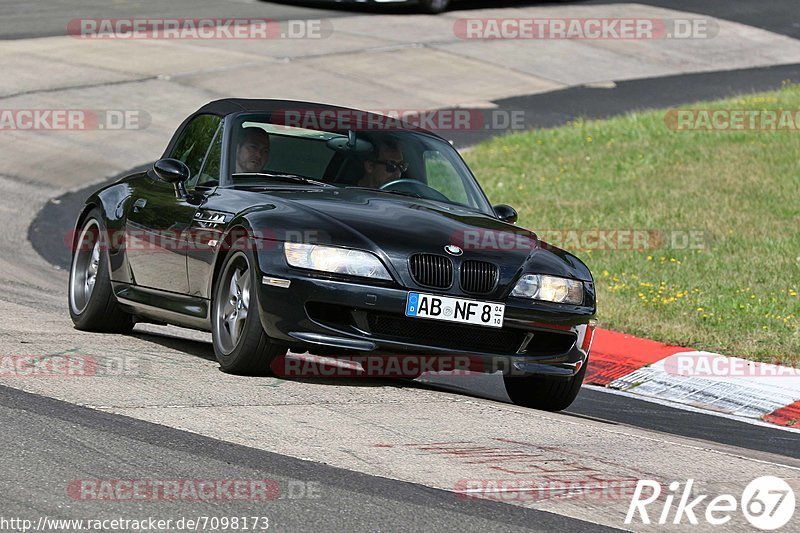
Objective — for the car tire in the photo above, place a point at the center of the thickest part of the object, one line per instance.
(240, 343)
(547, 393)
(92, 304)
(434, 6)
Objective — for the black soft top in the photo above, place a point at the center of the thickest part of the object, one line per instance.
(228, 106)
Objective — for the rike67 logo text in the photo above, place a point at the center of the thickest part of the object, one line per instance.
(767, 503)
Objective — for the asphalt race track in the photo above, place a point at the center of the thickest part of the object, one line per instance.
(166, 453)
(346, 454)
(44, 235)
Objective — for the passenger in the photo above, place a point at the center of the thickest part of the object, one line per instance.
(252, 151)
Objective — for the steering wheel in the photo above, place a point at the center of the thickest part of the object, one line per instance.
(414, 187)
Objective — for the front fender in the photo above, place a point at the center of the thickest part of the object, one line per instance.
(112, 201)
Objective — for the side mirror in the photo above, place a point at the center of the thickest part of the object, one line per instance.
(174, 172)
(506, 213)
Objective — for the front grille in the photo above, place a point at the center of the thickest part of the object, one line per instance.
(430, 270)
(453, 336)
(478, 277)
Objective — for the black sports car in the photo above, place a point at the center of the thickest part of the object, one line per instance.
(287, 225)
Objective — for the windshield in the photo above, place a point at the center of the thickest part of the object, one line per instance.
(400, 161)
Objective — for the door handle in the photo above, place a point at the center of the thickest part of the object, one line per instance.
(139, 204)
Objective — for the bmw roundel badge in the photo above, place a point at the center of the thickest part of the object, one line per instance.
(452, 249)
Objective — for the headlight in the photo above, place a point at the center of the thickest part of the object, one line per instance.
(337, 260)
(549, 288)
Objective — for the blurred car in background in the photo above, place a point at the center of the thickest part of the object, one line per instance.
(429, 6)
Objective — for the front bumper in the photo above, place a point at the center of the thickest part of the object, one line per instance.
(327, 315)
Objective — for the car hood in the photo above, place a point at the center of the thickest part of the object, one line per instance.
(396, 227)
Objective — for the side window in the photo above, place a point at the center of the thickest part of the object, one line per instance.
(444, 178)
(194, 144)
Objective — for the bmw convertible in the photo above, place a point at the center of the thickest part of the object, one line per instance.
(280, 225)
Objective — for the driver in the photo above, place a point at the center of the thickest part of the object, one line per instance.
(252, 152)
(384, 165)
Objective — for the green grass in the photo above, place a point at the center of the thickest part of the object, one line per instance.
(740, 191)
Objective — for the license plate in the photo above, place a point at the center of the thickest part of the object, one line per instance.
(455, 310)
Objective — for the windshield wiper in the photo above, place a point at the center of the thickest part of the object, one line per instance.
(401, 193)
(294, 178)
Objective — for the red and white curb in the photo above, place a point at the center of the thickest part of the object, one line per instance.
(698, 380)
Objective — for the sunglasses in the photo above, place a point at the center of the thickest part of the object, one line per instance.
(393, 166)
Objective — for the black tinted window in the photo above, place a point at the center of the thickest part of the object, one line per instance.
(194, 143)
